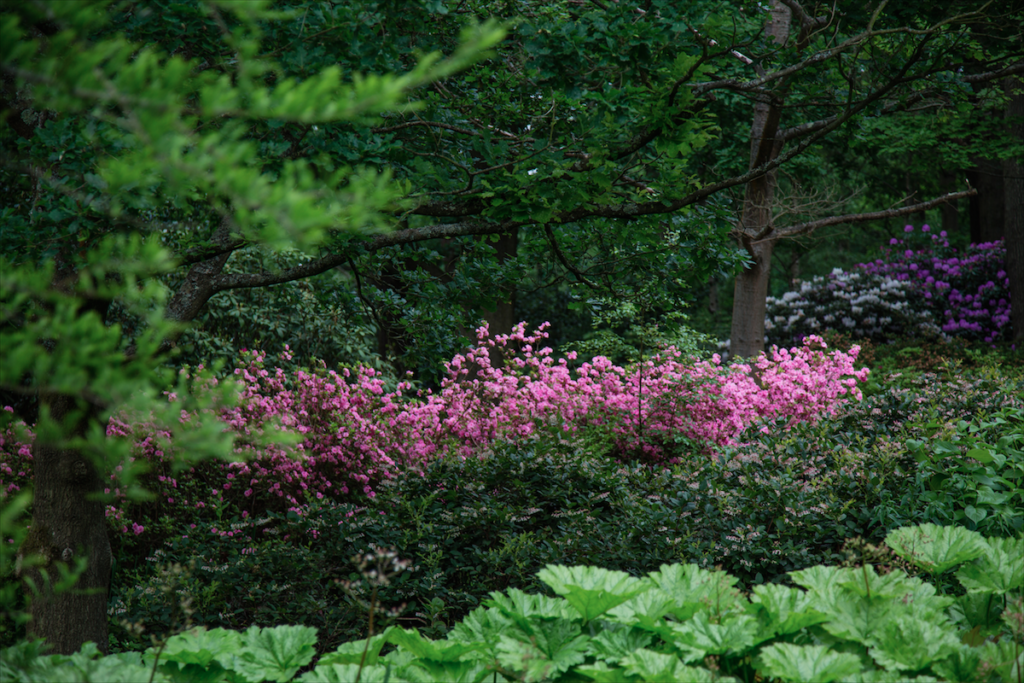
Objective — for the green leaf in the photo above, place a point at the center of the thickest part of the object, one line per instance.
(868, 583)
(193, 673)
(646, 609)
(982, 455)
(693, 589)
(788, 609)
(820, 579)
(600, 672)
(613, 644)
(531, 605)
(273, 654)
(857, 618)
(449, 672)
(999, 570)
(1006, 657)
(936, 548)
(436, 650)
(552, 648)
(975, 514)
(591, 590)
(910, 644)
(347, 673)
(482, 626)
(962, 664)
(807, 663)
(200, 646)
(654, 667)
(734, 635)
(356, 651)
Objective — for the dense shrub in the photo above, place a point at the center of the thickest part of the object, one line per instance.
(863, 305)
(356, 433)
(788, 500)
(921, 287)
(968, 291)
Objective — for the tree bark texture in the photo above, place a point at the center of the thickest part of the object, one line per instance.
(1013, 191)
(749, 303)
(756, 232)
(68, 523)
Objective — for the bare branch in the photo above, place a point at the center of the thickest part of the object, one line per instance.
(810, 226)
(1015, 68)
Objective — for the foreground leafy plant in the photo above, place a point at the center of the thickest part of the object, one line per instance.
(681, 623)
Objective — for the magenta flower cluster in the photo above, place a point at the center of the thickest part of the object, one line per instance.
(356, 432)
(968, 292)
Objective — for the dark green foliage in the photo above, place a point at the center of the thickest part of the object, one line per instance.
(318, 318)
(786, 501)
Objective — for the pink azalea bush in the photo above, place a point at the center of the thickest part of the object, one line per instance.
(355, 431)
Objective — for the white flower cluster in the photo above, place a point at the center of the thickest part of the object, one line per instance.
(864, 305)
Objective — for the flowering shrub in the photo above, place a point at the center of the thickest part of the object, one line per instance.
(355, 432)
(15, 453)
(862, 304)
(968, 292)
(921, 286)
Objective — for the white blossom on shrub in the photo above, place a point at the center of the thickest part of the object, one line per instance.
(865, 305)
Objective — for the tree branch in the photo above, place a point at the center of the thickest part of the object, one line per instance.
(807, 22)
(811, 226)
(804, 128)
(225, 281)
(449, 209)
(565, 261)
(1015, 68)
(428, 124)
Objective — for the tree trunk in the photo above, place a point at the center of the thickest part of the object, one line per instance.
(756, 232)
(1013, 186)
(748, 309)
(501, 319)
(987, 207)
(67, 523)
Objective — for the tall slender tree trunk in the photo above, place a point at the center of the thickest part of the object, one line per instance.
(68, 522)
(987, 208)
(756, 231)
(1013, 191)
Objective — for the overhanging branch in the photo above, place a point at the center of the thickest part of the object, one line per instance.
(811, 226)
(225, 281)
